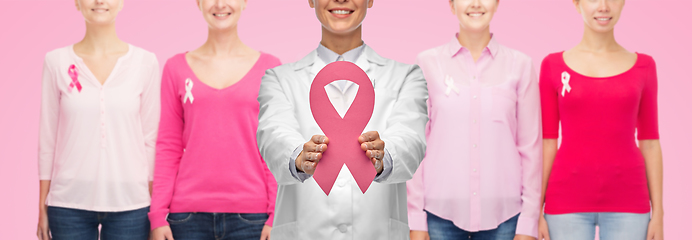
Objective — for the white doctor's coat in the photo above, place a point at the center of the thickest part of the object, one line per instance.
(303, 211)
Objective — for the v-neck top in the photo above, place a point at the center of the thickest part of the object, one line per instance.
(598, 167)
(97, 141)
(207, 158)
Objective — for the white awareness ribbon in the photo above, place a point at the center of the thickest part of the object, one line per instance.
(188, 91)
(565, 83)
(450, 85)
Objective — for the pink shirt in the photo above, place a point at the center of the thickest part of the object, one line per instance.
(207, 158)
(598, 167)
(484, 152)
(96, 145)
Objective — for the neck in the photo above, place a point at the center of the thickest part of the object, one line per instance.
(474, 41)
(593, 41)
(223, 42)
(100, 38)
(342, 43)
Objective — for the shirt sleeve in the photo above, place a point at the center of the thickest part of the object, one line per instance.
(169, 149)
(549, 102)
(277, 132)
(647, 120)
(415, 190)
(530, 147)
(405, 133)
(271, 194)
(150, 112)
(48, 128)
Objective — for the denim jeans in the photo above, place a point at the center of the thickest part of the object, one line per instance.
(611, 226)
(443, 229)
(76, 224)
(217, 226)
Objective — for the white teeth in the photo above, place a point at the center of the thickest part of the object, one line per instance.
(602, 19)
(221, 14)
(341, 12)
(475, 14)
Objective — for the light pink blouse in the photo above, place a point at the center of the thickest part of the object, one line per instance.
(97, 144)
(484, 154)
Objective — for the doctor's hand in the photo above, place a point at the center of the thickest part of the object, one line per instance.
(419, 235)
(312, 153)
(373, 146)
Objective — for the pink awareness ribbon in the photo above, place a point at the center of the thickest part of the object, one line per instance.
(72, 71)
(343, 133)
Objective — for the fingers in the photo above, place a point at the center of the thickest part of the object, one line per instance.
(369, 137)
(377, 164)
(372, 145)
(169, 235)
(319, 139)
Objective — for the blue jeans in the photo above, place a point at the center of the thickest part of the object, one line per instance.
(611, 226)
(443, 229)
(76, 224)
(217, 226)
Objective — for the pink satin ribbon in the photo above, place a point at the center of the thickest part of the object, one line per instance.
(343, 134)
(72, 71)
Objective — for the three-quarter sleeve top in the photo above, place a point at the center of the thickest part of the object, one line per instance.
(598, 166)
(97, 140)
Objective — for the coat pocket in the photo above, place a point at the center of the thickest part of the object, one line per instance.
(285, 232)
(398, 230)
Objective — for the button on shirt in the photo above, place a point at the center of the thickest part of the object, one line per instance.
(341, 93)
(97, 144)
(484, 156)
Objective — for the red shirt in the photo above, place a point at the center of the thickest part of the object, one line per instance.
(598, 167)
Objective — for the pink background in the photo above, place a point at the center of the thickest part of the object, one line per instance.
(288, 29)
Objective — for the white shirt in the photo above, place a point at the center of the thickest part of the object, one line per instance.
(97, 145)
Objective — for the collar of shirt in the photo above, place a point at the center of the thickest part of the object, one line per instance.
(455, 47)
(328, 56)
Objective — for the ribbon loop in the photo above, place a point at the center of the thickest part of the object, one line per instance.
(343, 133)
(450, 85)
(188, 91)
(565, 83)
(74, 75)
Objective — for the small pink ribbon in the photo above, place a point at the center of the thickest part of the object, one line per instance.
(72, 71)
(343, 133)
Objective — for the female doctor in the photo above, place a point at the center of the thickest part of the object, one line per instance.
(292, 143)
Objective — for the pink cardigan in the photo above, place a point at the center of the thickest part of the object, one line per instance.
(207, 158)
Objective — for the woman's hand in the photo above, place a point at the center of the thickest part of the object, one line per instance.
(162, 233)
(655, 231)
(419, 235)
(43, 232)
(543, 229)
(266, 231)
(312, 153)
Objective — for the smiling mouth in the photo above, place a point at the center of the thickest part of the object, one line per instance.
(341, 12)
(221, 14)
(603, 18)
(475, 14)
(99, 10)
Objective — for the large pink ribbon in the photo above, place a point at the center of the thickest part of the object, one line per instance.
(72, 71)
(343, 134)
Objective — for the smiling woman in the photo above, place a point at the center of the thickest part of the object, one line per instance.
(292, 142)
(603, 98)
(210, 179)
(99, 115)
